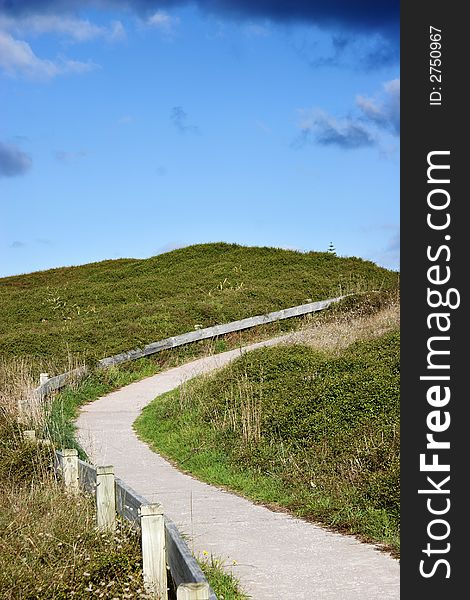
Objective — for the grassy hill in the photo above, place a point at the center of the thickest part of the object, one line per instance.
(100, 309)
(300, 427)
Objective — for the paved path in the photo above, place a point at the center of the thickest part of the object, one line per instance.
(278, 557)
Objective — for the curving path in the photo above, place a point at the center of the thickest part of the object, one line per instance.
(275, 556)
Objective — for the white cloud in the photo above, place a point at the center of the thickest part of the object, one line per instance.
(163, 21)
(67, 65)
(384, 108)
(17, 58)
(116, 31)
(262, 126)
(378, 115)
(77, 30)
(319, 127)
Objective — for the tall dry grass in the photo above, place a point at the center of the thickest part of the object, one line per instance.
(49, 545)
(18, 402)
(242, 412)
(342, 328)
(50, 548)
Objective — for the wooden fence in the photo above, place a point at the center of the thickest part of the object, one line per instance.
(49, 384)
(163, 549)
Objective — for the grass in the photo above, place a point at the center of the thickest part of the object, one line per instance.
(97, 310)
(311, 428)
(50, 548)
(355, 317)
(53, 320)
(225, 585)
(49, 544)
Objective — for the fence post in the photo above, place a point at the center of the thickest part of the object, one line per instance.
(70, 469)
(105, 498)
(29, 435)
(192, 591)
(153, 550)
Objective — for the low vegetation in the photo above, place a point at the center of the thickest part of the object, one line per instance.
(97, 310)
(225, 585)
(50, 547)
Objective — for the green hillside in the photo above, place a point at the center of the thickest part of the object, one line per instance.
(99, 309)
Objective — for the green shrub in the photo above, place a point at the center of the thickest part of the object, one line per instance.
(314, 431)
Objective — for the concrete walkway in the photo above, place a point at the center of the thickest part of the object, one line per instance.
(275, 556)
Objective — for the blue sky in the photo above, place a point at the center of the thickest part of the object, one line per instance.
(131, 128)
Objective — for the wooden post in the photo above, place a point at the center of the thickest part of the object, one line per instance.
(70, 469)
(105, 498)
(29, 435)
(43, 377)
(153, 550)
(192, 591)
(21, 406)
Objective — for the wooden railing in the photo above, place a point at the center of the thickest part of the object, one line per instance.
(49, 384)
(163, 548)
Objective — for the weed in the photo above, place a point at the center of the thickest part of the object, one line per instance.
(223, 581)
